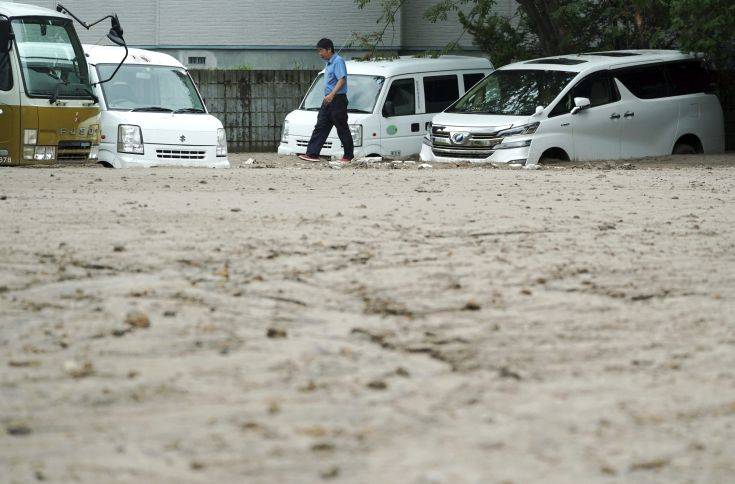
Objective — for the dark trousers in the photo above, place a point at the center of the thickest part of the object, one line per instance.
(332, 114)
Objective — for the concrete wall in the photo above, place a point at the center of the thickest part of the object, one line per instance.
(277, 34)
(253, 104)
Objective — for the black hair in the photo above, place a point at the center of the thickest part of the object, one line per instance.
(326, 44)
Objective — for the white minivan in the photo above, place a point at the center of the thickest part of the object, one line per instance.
(596, 106)
(152, 113)
(391, 103)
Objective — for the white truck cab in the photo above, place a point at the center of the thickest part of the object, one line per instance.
(391, 103)
(152, 113)
(583, 107)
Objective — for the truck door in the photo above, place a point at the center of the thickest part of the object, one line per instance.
(9, 112)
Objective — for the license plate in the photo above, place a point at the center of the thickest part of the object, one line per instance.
(5, 160)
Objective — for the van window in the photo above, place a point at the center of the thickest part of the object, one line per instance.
(688, 78)
(599, 88)
(471, 79)
(645, 82)
(6, 75)
(440, 92)
(403, 96)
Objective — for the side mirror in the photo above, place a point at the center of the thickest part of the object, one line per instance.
(580, 103)
(6, 36)
(539, 111)
(116, 32)
(389, 109)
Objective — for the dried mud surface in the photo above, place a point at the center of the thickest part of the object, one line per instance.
(376, 323)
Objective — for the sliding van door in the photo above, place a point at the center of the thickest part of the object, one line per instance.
(650, 116)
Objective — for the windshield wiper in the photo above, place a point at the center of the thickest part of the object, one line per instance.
(189, 110)
(152, 109)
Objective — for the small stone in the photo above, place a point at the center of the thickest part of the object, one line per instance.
(506, 372)
(400, 371)
(169, 314)
(196, 465)
(472, 305)
(526, 291)
(77, 369)
(118, 248)
(377, 385)
(425, 166)
(120, 332)
(249, 161)
(137, 319)
(322, 447)
(203, 182)
(3, 197)
(275, 333)
(235, 210)
(330, 473)
(24, 363)
(18, 429)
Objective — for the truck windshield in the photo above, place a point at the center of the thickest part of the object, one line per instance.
(513, 92)
(150, 88)
(362, 93)
(51, 58)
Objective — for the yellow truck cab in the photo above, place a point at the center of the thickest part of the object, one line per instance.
(48, 112)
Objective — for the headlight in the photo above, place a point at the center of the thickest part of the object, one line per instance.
(513, 144)
(284, 135)
(525, 129)
(221, 142)
(94, 152)
(129, 139)
(356, 130)
(30, 136)
(39, 153)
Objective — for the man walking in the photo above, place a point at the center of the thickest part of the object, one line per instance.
(333, 111)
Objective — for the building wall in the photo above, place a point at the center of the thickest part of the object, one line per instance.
(257, 34)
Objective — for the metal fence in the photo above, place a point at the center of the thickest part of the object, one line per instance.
(252, 104)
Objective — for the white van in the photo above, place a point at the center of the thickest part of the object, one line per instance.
(597, 106)
(152, 113)
(391, 103)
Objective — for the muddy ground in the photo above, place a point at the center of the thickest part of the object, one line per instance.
(282, 322)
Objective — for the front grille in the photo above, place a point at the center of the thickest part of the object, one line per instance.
(181, 154)
(478, 143)
(71, 151)
(303, 143)
(461, 153)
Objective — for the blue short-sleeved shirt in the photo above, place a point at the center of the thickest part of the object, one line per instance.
(334, 71)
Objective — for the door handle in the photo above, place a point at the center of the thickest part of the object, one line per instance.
(629, 114)
(615, 116)
(564, 125)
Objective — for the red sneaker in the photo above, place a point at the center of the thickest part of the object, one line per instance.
(309, 158)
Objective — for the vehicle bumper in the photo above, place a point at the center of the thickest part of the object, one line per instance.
(515, 155)
(164, 155)
(296, 145)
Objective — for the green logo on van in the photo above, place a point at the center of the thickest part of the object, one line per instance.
(392, 129)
